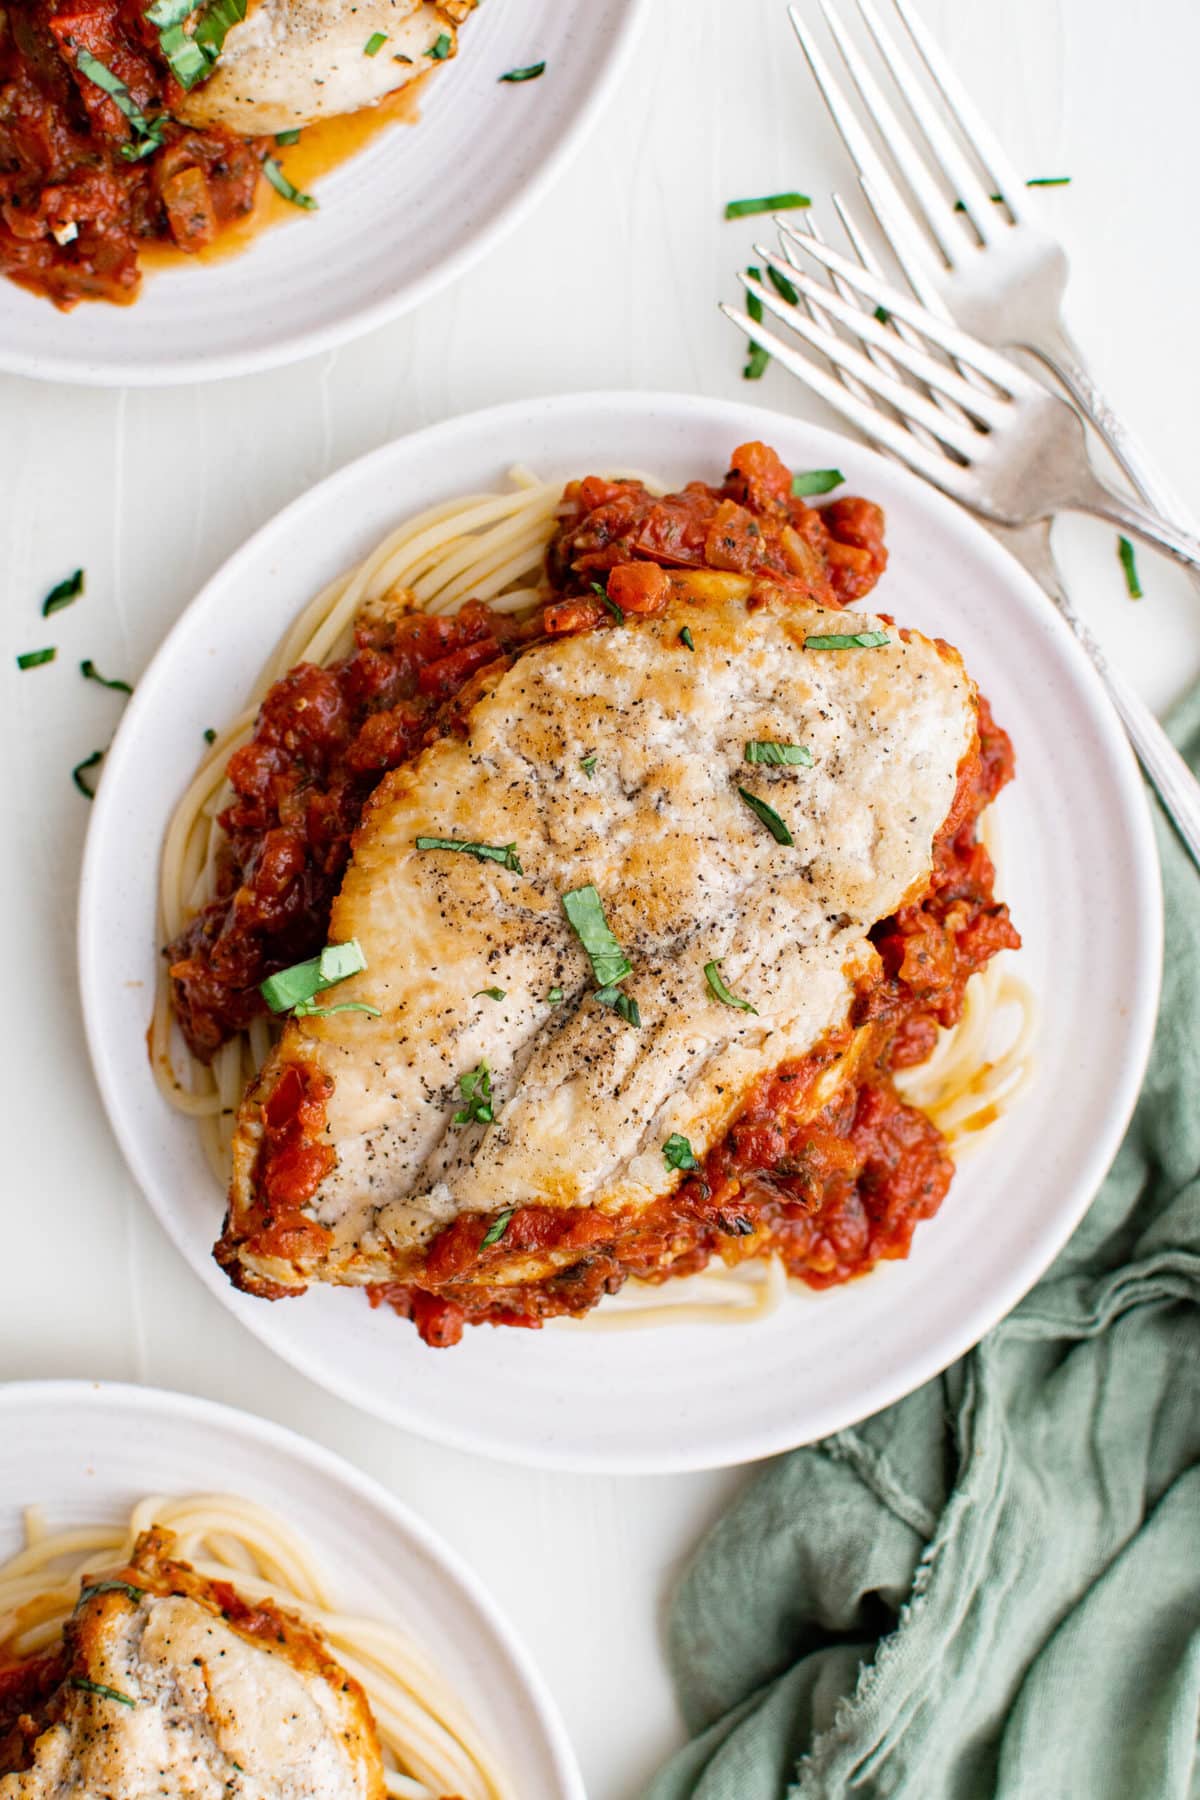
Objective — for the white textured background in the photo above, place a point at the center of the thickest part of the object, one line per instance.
(612, 283)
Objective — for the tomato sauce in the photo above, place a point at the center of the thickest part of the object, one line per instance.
(832, 1192)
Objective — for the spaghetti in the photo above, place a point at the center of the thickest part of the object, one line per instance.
(491, 547)
(430, 1746)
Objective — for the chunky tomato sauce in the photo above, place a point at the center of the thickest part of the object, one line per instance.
(833, 1192)
(64, 174)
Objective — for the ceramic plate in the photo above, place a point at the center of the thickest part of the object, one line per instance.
(409, 213)
(1079, 870)
(85, 1451)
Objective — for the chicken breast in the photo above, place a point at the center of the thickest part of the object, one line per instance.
(173, 1687)
(292, 62)
(612, 759)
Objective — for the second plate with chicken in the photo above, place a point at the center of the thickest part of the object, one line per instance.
(611, 911)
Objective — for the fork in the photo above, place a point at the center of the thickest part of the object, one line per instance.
(870, 392)
(994, 267)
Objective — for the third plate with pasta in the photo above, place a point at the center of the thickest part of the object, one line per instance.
(589, 938)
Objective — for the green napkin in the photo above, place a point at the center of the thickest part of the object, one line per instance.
(991, 1591)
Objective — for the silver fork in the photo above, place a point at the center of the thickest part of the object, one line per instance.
(936, 436)
(995, 268)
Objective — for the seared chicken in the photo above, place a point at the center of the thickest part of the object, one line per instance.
(292, 62)
(173, 1687)
(612, 758)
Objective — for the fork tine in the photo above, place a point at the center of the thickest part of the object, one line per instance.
(905, 400)
(935, 208)
(958, 344)
(974, 127)
(977, 204)
(822, 318)
(933, 465)
(863, 154)
(911, 357)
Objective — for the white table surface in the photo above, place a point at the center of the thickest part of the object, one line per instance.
(612, 283)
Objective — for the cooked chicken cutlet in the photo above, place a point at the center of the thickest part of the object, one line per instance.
(292, 62)
(612, 760)
(171, 1685)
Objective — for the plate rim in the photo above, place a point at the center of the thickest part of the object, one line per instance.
(1024, 1271)
(108, 373)
(184, 1407)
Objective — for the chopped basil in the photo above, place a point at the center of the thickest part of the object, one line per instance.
(1125, 552)
(293, 986)
(498, 1227)
(848, 640)
(286, 138)
(33, 659)
(782, 286)
(883, 315)
(476, 1089)
(816, 481)
(624, 1004)
(110, 1587)
(585, 910)
(489, 993)
(90, 672)
(504, 854)
(403, 59)
(765, 750)
(685, 638)
(677, 1153)
(529, 74)
(588, 765)
(756, 362)
(554, 997)
(63, 594)
(165, 13)
(189, 64)
(744, 209)
(617, 612)
(281, 184)
(98, 1688)
(147, 132)
(80, 770)
(217, 20)
(441, 49)
(769, 817)
(210, 736)
(712, 974)
(375, 43)
(1048, 181)
(304, 1009)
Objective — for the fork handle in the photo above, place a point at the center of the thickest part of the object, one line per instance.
(1095, 496)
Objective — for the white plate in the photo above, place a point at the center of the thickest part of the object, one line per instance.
(414, 209)
(85, 1451)
(1080, 871)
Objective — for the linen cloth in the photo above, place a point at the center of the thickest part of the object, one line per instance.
(991, 1591)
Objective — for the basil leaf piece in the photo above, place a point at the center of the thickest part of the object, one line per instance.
(98, 1688)
(189, 64)
(441, 49)
(293, 986)
(1048, 181)
(585, 910)
(816, 481)
(782, 286)
(504, 854)
(286, 138)
(33, 659)
(279, 181)
(764, 750)
(110, 1587)
(554, 997)
(529, 74)
(165, 13)
(883, 315)
(80, 770)
(90, 672)
(148, 131)
(685, 638)
(624, 1004)
(216, 22)
(769, 817)
(588, 765)
(63, 594)
(1129, 564)
(210, 736)
(497, 1228)
(677, 1153)
(375, 43)
(756, 362)
(765, 203)
(712, 974)
(476, 1090)
(618, 612)
(488, 993)
(848, 640)
(304, 1009)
